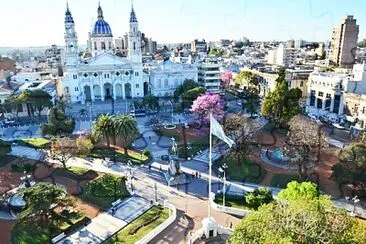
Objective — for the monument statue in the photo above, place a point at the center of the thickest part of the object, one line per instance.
(174, 165)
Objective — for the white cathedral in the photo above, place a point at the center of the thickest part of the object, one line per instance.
(103, 75)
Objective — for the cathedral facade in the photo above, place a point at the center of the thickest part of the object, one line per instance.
(103, 74)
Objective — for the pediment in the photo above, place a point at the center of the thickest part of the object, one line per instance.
(107, 59)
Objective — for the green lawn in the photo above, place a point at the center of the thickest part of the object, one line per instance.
(134, 156)
(245, 172)
(77, 170)
(34, 142)
(105, 190)
(29, 234)
(124, 237)
(281, 180)
(232, 201)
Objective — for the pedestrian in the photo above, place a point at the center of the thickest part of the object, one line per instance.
(160, 167)
(199, 174)
(231, 225)
(149, 138)
(192, 174)
(196, 174)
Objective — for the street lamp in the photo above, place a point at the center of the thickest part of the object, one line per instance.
(89, 104)
(355, 200)
(129, 163)
(172, 110)
(222, 170)
(156, 192)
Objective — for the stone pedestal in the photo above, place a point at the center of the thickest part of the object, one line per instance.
(209, 227)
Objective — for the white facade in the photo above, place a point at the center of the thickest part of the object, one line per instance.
(168, 76)
(326, 94)
(283, 56)
(105, 75)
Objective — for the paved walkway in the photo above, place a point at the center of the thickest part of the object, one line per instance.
(105, 225)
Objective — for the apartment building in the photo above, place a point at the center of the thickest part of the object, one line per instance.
(209, 74)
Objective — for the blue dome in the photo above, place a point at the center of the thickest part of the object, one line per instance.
(101, 27)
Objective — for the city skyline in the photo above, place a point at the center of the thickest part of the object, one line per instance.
(179, 21)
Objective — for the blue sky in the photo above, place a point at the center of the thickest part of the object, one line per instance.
(40, 22)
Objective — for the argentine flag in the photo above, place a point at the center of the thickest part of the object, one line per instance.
(217, 130)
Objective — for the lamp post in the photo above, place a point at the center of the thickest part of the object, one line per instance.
(355, 200)
(89, 104)
(172, 110)
(222, 170)
(129, 163)
(156, 192)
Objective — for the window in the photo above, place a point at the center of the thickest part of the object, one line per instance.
(110, 45)
(126, 73)
(301, 83)
(95, 45)
(118, 73)
(95, 75)
(74, 77)
(137, 86)
(329, 95)
(76, 88)
(136, 73)
(134, 45)
(102, 45)
(363, 110)
(106, 75)
(320, 94)
(85, 75)
(166, 83)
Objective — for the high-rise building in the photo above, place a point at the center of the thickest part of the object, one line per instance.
(344, 42)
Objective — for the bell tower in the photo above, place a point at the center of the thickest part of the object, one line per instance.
(134, 39)
(71, 39)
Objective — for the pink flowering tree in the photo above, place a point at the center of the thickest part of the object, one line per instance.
(226, 77)
(207, 103)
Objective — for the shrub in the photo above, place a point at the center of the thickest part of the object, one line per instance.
(259, 197)
(26, 167)
(146, 153)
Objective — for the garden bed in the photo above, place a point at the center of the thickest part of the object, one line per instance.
(141, 226)
(245, 172)
(134, 156)
(105, 190)
(34, 142)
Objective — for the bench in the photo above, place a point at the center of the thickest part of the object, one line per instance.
(116, 202)
(58, 238)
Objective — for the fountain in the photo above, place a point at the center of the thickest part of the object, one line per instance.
(174, 175)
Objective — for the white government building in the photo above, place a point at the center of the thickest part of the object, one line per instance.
(103, 75)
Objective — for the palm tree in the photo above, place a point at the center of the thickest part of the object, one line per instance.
(126, 130)
(104, 127)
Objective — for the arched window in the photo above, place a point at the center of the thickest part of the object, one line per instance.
(134, 45)
(102, 45)
(95, 45)
(166, 83)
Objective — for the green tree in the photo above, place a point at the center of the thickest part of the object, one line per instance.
(63, 148)
(187, 85)
(362, 43)
(58, 123)
(151, 102)
(40, 100)
(191, 95)
(39, 198)
(259, 197)
(127, 131)
(351, 167)
(104, 128)
(12, 105)
(5, 147)
(299, 219)
(84, 146)
(281, 104)
(296, 190)
(215, 52)
(250, 81)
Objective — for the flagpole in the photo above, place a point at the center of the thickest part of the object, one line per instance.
(210, 168)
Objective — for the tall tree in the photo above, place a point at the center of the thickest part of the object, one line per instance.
(191, 95)
(281, 104)
(127, 131)
(304, 142)
(226, 77)
(242, 130)
(250, 81)
(206, 104)
(58, 123)
(299, 219)
(40, 100)
(39, 199)
(13, 105)
(104, 127)
(84, 146)
(63, 148)
(187, 85)
(351, 167)
(151, 102)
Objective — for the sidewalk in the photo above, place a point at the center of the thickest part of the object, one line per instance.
(105, 225)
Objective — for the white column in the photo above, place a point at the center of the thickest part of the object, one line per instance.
(332, 103)
(123, 91)
(114, 92)
(92, 92)
(102, 92)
